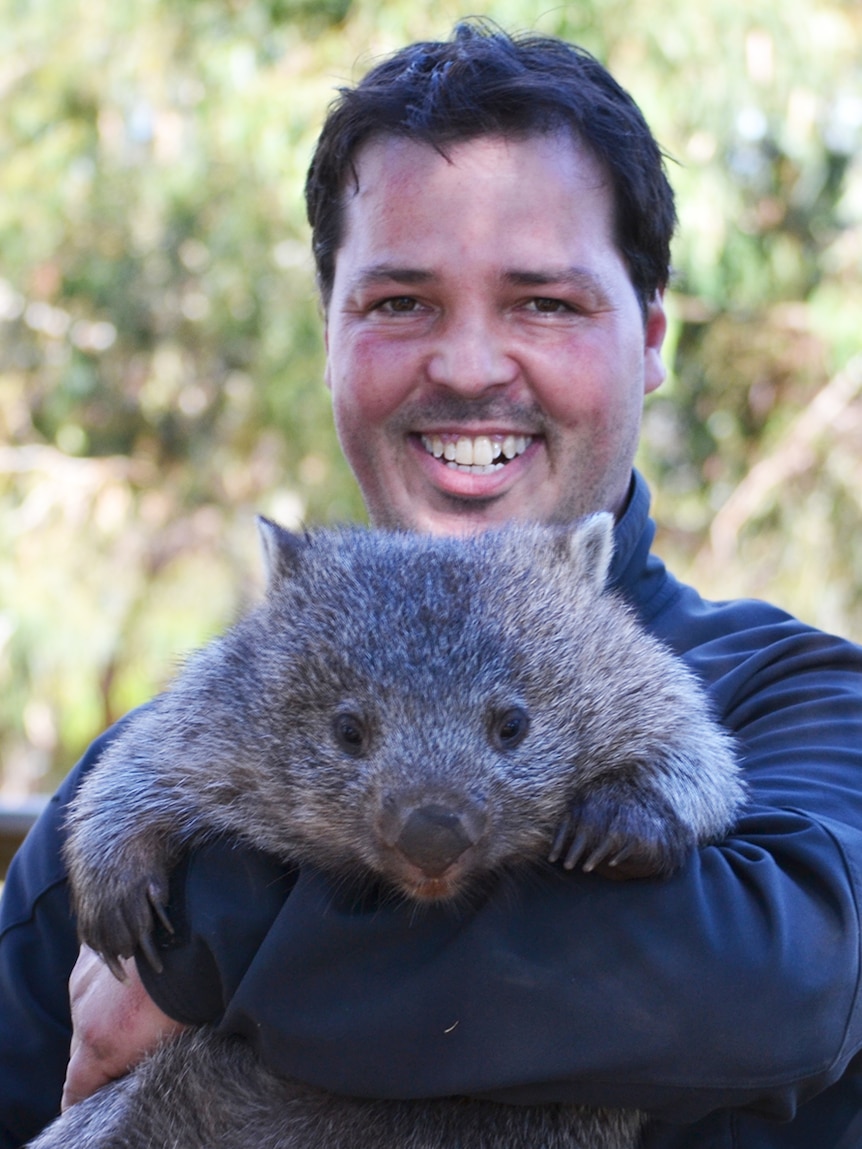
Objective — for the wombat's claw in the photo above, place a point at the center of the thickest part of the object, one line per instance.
(601, 836)
(580, 843)
(155, 896)
(122, 922)
(151, 953)
(602, 854)
(113, 964)
(157, 902)
(560, 840)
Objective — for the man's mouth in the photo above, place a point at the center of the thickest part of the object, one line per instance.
(476, 455)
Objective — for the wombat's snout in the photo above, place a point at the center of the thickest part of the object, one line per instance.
(433, 836)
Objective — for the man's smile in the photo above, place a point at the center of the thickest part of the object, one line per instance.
(479, 454)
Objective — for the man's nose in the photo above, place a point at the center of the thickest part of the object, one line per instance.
(472, 355)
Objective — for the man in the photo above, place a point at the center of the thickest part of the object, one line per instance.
(492, 226)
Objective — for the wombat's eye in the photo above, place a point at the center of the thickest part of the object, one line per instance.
(350, 733)
(510, 728)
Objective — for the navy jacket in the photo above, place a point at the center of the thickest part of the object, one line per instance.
(725, 1000)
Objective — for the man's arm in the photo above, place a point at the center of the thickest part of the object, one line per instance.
(38, 950)
(735, 983)
(114, 1024)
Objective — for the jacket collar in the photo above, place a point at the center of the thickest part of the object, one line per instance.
(637, 574)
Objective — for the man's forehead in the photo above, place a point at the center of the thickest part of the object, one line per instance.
(538, 175)
(387, 150)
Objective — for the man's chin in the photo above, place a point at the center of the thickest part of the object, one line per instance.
(459, 516)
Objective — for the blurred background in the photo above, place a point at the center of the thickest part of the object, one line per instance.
(160, 339)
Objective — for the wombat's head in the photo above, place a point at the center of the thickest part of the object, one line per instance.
(415, 694)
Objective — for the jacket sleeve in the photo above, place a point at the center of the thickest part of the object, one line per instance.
(678, 998)
(38, 947)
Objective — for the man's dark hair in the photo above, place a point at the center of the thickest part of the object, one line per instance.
(484, 82)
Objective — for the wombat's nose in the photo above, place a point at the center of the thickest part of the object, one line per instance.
(433, 837)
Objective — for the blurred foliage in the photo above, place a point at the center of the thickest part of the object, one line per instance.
(160, 342)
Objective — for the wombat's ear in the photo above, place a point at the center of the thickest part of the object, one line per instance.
(282, 550)
(591, 545)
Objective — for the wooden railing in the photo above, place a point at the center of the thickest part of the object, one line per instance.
(15, 821)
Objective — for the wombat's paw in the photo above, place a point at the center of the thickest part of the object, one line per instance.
(121, 921)
(609, 834)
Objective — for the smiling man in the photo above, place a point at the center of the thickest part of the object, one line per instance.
(495, 368)
(491, 224)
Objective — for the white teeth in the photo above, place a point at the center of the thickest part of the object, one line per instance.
(484, 452)
(464, 452)
(478, 455)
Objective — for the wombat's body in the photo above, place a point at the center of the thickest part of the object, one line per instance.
(425, 711)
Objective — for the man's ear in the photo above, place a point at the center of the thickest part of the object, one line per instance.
(655, 329)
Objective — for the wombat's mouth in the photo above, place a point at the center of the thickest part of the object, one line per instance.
(477, 455)
(420, 885)
(423, 889)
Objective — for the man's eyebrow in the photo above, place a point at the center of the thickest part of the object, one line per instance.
(580, 278)
(390, 273)
(572, 278)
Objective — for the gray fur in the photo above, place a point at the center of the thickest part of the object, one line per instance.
(423, 710)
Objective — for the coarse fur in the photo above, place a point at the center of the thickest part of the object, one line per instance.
(422, 711)
(211, 1092)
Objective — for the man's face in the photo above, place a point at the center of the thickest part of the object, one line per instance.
(487, 354)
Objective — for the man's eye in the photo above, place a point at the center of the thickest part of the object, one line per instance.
(399, 304)
(548, 306)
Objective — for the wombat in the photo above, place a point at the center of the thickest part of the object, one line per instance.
(410, 710)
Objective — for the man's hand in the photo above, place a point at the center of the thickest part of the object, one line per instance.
(115, 1025)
